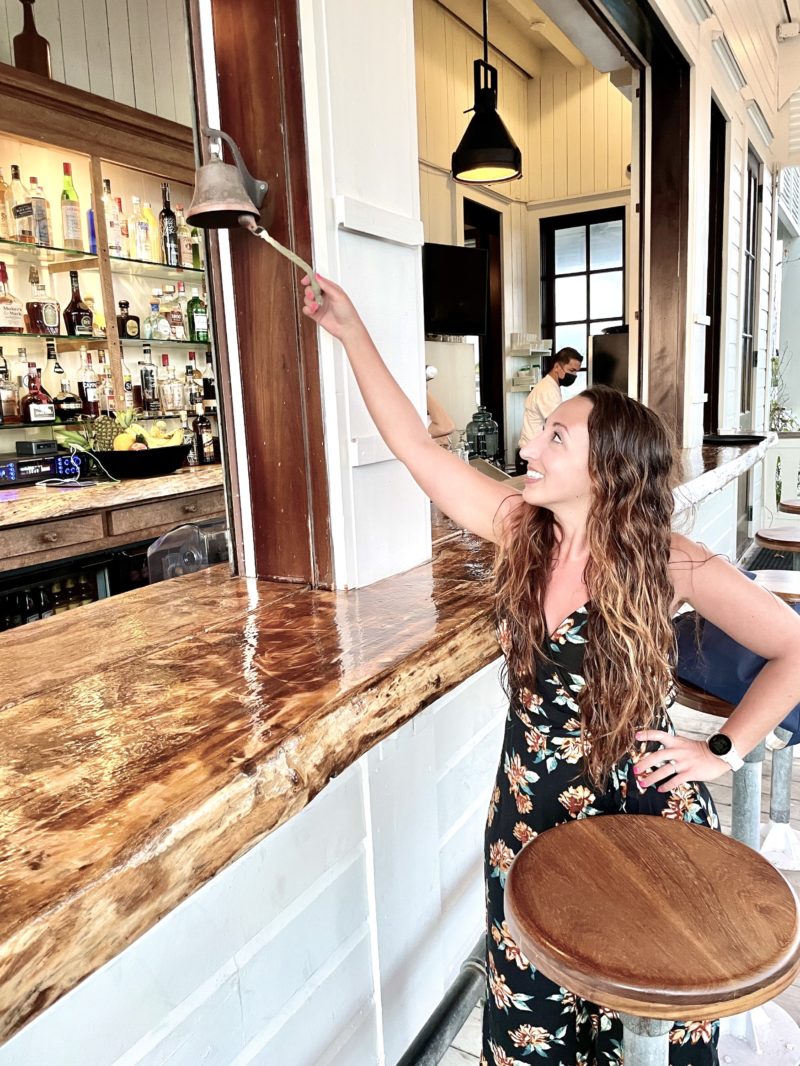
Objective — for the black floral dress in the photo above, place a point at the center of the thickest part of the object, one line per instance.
(527, 1018)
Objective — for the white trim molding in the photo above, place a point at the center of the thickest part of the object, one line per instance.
(357, 216)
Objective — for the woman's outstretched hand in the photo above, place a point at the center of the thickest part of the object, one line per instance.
(680, 760)
(336, 313)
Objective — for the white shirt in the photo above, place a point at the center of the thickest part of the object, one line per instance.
(540, 403)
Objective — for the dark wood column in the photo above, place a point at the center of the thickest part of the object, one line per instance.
(261, 107)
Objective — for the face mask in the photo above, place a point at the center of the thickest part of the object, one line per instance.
(568, 379)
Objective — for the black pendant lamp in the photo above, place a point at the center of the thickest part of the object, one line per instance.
(487, 153)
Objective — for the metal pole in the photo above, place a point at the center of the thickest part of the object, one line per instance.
(746, 799)
(435, 1037)
(645, 1041)
(780, 796)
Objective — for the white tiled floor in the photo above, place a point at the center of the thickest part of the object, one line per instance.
(465, 1050)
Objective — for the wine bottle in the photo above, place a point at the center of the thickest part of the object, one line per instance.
(168, 230)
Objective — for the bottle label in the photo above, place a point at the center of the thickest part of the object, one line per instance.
(41, 412)
(185, 245)
(50, 316)
(11, 315)
(22, 211)
(200, 321)
(71, 220)
(131, 327)
(90, 391)
(83, 325)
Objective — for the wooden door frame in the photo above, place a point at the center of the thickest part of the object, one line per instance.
(259, 82)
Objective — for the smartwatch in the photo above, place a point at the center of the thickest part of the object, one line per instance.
(721, 745)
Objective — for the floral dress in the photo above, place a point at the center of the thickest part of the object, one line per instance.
(528, 1018)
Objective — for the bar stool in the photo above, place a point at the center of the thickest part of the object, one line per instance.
(664, 927)
(790, 506)
(782, 539)
(746, 782)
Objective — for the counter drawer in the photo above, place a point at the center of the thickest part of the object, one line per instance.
(50, 536)
(171, 512)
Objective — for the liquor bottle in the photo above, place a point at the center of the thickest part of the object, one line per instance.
(170, 390)
(192, 393)
(92, 229)
(22, 209)
(30, 608)
(86, 590)
(31, 50)
(152, 228)
(209, 387)
(203, 441)
(36, 407)
(43, 314)
(78, 318)
(69, 407)
(87, 386)
(184, 238)
(171, 310)
(197, 313)
(9, 394)
(72, 595)
(147, 373)
(42, 223)
(159, 324)
(124, 229)
(168, 229)
(188, 438)
(59, 597)
(105, 385)
(127, 384)
(70, 212)
(6, 204)
(127, 324)
(112, 220)
(44, 602)
(12, 317)
(197, 256)
(183, 302)
(12, 612)
(98, 318)
(53, 371)
(140, 232)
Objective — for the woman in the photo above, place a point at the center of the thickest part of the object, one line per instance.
(588, 576)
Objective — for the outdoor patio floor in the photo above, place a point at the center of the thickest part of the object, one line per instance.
(465, 1049)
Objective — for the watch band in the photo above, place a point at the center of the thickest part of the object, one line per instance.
(721, 745)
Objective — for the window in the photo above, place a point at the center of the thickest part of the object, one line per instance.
(583, 276)
(752, 231)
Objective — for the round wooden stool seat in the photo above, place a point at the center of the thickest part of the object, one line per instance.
(783, 583)
(790, 506)
(653, 917)
(780, 538)
(691, 696)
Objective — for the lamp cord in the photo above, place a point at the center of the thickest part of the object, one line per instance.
(486, 32)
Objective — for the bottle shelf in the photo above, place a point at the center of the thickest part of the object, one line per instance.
(63, 259)
(64, 342)
(43, 255)
(144, 269)
(156, 342)
(22, 427)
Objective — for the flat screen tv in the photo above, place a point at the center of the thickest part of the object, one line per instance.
(455, 286)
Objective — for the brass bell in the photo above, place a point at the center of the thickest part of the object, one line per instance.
(225, 196)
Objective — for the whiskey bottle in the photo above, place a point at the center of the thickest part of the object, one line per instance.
(9, 394)
(43, 313)
(22, 209)
(70, 212)
(36, 407)
(53, 371)
(69, 406)
(78, 318)
(31, 50)
(168, 230)
(12, 317)
(203, 441)
(127, 324)
(197, 313)
(209, 387)
(42, 223)
(87, 386)
(192, 393)
(6, 204)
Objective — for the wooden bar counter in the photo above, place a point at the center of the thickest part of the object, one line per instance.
(151, 739)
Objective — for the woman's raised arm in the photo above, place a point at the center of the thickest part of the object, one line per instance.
(471, 499)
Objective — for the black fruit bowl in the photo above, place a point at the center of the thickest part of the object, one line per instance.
(150, 462)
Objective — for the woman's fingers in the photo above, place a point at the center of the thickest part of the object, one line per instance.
(660, 773)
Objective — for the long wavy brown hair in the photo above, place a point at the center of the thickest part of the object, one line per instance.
(630, 641)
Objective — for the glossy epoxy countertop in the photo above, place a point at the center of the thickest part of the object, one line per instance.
(151, 739)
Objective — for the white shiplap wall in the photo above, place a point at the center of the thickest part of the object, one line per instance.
(131, 51)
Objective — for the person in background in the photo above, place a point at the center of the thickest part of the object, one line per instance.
(545, 397)
(440, 424)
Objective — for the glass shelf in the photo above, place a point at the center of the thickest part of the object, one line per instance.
(24, 426)
(63, 342)
(144, 269)
(42, 254)
(156, 342)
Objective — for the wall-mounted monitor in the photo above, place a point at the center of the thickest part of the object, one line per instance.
(455, 286)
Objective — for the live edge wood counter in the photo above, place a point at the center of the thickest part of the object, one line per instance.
(150, 739)
(43, 525)
(189, 720)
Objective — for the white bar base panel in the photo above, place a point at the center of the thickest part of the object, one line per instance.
(767, 1034)
(781, 846)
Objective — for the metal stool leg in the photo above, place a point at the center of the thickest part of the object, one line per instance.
(645, 1041)
(746, 800)
(781, 845)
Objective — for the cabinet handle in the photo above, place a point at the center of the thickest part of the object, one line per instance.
(189, 508)
(50, 538)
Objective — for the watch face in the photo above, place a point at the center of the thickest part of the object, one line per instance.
(720, 744)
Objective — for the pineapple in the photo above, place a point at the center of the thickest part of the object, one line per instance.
(105, 429)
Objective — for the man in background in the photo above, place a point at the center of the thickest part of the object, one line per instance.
(545, 397)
